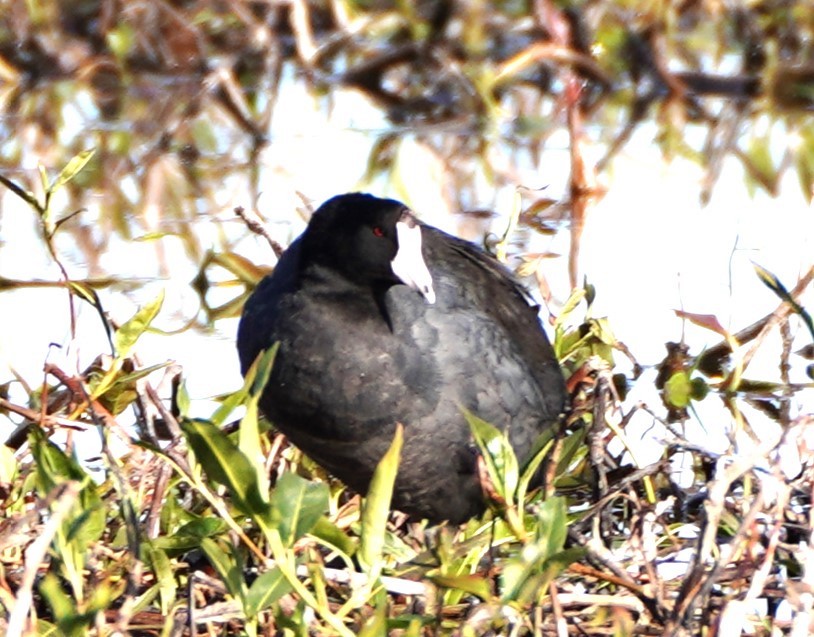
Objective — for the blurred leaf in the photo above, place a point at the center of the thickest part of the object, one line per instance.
(552, 526)
(774, 284)
(376, 624)
(527, 573)
(699, 388)
(573, 445)
(590, 294)
(123, 391)
(328, 533)
(497, 452)
(69, 620)
(74, 617)
(502, 247)
(89, 524)
(229, 567)
(60, 603)
(804, 161)
(533, 465)
(45, 183)
(762, 173)
(126, 336)
(259, 373)
(807, 352)
(708, 321)
(121, 40)
(292, 621)
(225, 464)
(296, 505)
(376, 506)
(253, 385)
(601, 329)
(476, 585)
(677, 390)
(182, 401)
(189, 535)
(249, 441)
(85, 291)
(54, 467)
(230, 309)
(245, 270)
(592, 338)
(577, 295)
(8, 465)
(382, 157)
(265, 590)
(164, 575)
(76, 164)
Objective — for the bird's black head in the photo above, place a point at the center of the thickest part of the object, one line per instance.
(369, 241)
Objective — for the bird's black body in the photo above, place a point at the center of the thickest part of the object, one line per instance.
(360, 352)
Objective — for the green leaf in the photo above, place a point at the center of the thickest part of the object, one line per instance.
(526, 574)
(296, 505)
(53, 468)
(331, 535)
(376, 624)
(165, 577)
(775, 285)
(8, 465)
(552, 526)
(542, 446)
(121, 40)
(126, 336)
(249, 441)
(45, 182)
(70, 621)
(559, 561)
(74, 166)
(577, 295)
(61, 605)
(376, 506)
(255, 381)
(182, 401)
(763, 172)
(698, 388)
(472, 584)
(189, 535)
(246, 271)
(229, 567)
(677, 390)
(122, 391)
(497, 452)
(89, 523)
(225, 464)
(265, 590)
(573, 445)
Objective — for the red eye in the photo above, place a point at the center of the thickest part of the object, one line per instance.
(378, 231)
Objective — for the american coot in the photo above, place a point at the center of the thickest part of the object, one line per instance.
(371, 334)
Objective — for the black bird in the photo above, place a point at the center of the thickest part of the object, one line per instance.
(382, 320)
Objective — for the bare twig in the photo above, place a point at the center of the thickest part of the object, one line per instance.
(257, 228)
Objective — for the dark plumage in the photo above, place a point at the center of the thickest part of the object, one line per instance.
(361, 351)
